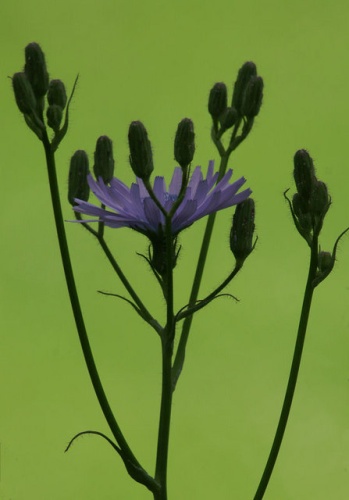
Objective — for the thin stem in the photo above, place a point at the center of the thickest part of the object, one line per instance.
(143, 311)
(180, 354)
(202, 303)
(292, 381)
(166, 394)
(128, 456)
(165, 421)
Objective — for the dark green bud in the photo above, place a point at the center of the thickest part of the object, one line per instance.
(304, 173)
(252, 97)
(141, 156)
(77, 182)
(247, 71)
(217, 101)
(54, 116)
(24, 94)
(325, 262)
(320, 200)
(184, 145)
(301, 211)
(56, 93)
(35, 69)
(241, 234)
(104, 160)
(228, 118)
(325, 266)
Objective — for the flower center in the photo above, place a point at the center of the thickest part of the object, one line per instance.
(170, 197)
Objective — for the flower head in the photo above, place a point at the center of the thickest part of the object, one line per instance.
(133, 207)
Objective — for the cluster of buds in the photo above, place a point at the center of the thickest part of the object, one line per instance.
(79, 168)
(245, 104)
(312, 201)
(308, 208)
(141, 155)
(30, 87)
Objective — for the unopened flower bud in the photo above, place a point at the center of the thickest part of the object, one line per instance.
(77, 182)
(141, 156)
(241, 233)
(228, 118)
(217, 101)
(56, 93)
(54, 115)
(325, 266)
(304, 173)
(24, 94)
(35, 69)
(320, 200)
(246, 71)
(301, 211)
(184, 145)
(252, 97)
(104, 160)
(325, 262)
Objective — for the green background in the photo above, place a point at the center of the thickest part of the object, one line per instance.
(156, 61)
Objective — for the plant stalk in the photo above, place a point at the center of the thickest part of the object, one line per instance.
(292, 381)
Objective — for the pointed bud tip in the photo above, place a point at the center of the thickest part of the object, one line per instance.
(184, 144)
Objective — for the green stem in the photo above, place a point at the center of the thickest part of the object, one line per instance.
(142, 310)
(190, 311)
(79, 321)
(165, 420)
(180, 354)
(292, 381)
(167, 339)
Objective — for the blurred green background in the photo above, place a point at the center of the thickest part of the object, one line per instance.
(156, 61)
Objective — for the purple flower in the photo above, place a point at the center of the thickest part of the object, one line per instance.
(132, 207)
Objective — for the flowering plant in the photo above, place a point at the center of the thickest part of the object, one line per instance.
(161, 213)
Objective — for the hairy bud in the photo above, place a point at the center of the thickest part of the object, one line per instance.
(104, 160)
(252, 97)
(24, 94)
(228, 118)
(184, 145)
(301, 211)
(241, 234)
(304, 173)
(141, 156)
(56, 93)
(320, 200)
(77, 182)
(54, 115)
(246, 72)
(325, 262)
(217, 101)
(35, 69)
